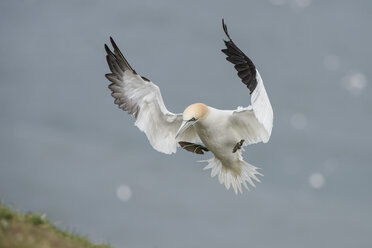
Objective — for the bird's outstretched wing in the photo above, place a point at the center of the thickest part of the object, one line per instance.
(254, 122)
(140, 97)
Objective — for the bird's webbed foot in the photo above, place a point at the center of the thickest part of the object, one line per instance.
(191, 147)
(238, 146)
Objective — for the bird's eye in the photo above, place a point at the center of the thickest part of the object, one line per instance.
(192, 119)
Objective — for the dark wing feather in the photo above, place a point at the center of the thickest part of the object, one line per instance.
(118, 65)
(139, 96)
(119, 56)
(245, 67)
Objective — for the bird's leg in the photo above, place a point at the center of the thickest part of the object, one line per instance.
(238, 146)
(191, 147)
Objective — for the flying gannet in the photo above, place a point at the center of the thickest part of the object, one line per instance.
(200, 128)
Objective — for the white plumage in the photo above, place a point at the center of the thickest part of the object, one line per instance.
(153, 118)
(223, 132)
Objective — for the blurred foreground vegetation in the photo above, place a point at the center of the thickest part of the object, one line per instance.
(33, 230)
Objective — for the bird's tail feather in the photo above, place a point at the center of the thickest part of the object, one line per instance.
(230, 177)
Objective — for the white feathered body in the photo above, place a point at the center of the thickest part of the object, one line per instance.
(219, 134)
(218, 130)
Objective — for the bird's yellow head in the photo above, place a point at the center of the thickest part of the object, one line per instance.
(196, 111)
(191, 115)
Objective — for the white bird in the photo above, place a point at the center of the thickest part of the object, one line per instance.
(223, 132)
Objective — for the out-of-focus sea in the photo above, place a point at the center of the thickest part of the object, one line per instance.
(66, 150)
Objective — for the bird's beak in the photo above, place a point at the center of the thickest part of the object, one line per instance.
(184, 126)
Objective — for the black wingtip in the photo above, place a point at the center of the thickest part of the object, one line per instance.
(108, 51)
(118, 53)
(245, 67)
(225, 29)
(113, 43)
(116, 48)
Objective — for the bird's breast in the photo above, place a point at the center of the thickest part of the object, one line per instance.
(217, 136)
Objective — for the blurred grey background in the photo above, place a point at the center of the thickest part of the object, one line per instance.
(68, 151)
